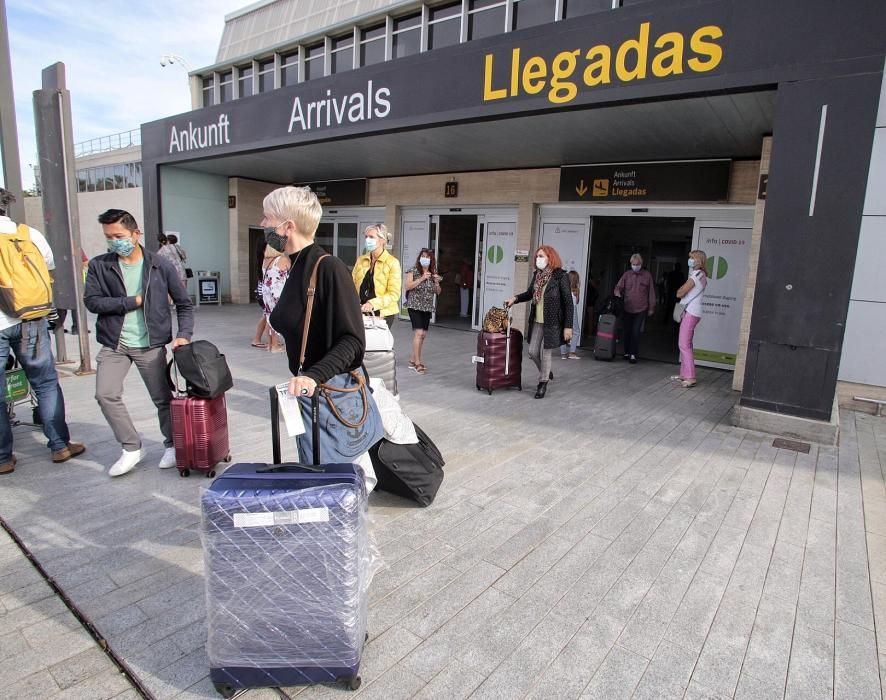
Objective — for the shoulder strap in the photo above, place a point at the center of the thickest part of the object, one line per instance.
(309, 308)
(23, 231)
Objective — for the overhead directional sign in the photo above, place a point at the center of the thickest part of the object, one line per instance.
(689, 181)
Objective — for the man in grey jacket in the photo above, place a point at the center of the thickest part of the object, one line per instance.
(129, 289)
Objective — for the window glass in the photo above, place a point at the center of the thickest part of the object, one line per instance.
(266, 75)
(81, 181)
(574, 8)
(372, 52)
(245, 80)
(119, 177)
(208, 94)
(485, 23)
(109, 177)
(314, 62)
(226, 86)
(406, 43)
(480, 4)
(443, 11)
(289, 69)
(347, 243)
(625, 3)
(325, 236)
(407, 22)
(90, 180)
(529, 13)
(342, 54)
(446, 33)
(138, 174)
(376, 32)
(99, 179)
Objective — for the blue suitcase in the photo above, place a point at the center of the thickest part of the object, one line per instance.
(286, 554)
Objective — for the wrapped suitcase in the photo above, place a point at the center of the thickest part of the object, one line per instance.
(413, 471)
(382, 364)
(499, 360)
(200, 434)
(604, 341)
(287, 560)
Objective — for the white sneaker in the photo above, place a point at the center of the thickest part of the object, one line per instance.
(167, 461)
(127, 462)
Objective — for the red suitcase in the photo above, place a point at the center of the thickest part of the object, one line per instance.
(200, 434)
(499, 360)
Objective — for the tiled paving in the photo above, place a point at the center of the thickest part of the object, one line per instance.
(618, 539)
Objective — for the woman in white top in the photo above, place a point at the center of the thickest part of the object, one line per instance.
(690, 296)
(275, 268)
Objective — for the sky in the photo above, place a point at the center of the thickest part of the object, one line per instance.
(111, 50)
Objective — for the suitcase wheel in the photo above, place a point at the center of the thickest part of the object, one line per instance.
(210, 474)
(490, 391)
(354, 682)
(184, 472)
(226, 690)
(478, 387)
(227, 459)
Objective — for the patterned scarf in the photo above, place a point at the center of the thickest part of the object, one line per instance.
(541, 279)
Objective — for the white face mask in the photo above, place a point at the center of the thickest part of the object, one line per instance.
(636, 268)
(424, 262)
(541, 262)
(371, 244)
(690, 263)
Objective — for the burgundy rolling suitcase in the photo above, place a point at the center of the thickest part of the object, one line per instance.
(604, 341)
(200, 434)
(499, 360)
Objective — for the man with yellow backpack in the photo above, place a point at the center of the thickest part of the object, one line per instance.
(25, 303)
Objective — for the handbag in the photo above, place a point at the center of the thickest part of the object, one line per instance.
(378, 336)
(204, 368)
(342, 408)
(679, 310)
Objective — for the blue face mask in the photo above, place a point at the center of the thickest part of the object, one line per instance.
(424, 262)
(690, 263)
(371, 244)
(122, 246)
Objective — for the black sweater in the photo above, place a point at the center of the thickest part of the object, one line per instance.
(336, 339)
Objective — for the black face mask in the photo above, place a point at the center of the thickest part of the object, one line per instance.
(274, 239)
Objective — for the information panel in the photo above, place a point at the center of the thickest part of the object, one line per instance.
(498, 263)
(716, 337)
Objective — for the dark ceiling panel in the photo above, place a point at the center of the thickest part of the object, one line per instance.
(719, 126)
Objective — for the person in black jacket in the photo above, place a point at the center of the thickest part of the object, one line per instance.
(129, 289)
(336, 339)
(551, 313)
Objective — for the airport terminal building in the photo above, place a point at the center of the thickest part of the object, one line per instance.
(754, 130)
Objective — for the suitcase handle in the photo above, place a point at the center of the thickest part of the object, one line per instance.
(291, 466)
(275, 425)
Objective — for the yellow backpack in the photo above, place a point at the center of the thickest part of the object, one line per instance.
(25, 284)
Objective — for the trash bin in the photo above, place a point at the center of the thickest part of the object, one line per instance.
(208, 287)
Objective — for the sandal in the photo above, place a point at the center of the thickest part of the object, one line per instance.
(263, 346)
(676, 378)
(687, 383)
(421, 369)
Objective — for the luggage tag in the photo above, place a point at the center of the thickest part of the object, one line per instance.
(290, 410)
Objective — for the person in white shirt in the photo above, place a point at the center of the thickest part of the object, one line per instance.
(29, 342)
(690, 296)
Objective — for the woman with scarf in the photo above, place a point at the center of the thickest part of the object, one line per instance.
(550, 315)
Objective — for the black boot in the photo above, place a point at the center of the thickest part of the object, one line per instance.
(540, 391)
(550, 375)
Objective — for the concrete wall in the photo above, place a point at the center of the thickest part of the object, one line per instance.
(248, 212)
(751, 190)
(91, 204)
(862, 360)
(195, 206)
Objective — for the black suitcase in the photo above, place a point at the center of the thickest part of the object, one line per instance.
(604, 341)
(411, 471)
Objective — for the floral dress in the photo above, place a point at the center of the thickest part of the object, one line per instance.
(272, 286)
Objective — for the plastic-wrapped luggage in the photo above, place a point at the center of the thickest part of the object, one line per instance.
(499, 360)
(382, 364)
(288, 565)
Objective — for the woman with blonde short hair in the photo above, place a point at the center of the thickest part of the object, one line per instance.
(690, 296)
(377, 276)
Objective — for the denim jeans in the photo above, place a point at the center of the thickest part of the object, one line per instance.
(632, 325)
(35, 356)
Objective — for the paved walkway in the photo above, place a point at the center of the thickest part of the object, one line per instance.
(618, 539)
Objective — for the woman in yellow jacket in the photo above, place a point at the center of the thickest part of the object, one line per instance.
(378, 277)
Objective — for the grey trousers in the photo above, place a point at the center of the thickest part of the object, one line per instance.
(538, 354)
(112, 368)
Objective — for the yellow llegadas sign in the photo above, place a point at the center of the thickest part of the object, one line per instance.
(532, 75)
